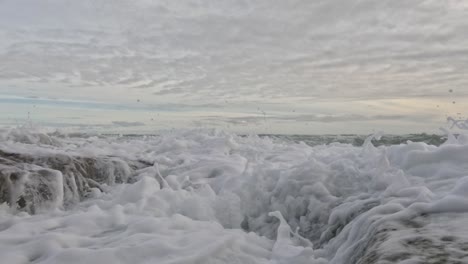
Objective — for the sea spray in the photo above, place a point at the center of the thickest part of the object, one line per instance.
(209, 196)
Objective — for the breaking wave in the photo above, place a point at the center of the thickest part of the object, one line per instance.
(216, 197)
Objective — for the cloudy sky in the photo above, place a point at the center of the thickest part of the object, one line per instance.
(264, 66)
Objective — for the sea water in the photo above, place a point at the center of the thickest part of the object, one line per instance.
(208, 196)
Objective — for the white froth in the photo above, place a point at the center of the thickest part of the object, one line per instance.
(214, 197)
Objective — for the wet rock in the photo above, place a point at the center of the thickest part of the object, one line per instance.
(434, 239)
(33, 183)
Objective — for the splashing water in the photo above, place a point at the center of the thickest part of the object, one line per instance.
(215, 197)
(458, 123)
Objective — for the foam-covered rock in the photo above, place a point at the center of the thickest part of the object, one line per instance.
(38, 182)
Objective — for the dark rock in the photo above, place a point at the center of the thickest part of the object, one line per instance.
(31, 183)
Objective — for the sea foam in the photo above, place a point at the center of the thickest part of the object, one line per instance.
(216, 197)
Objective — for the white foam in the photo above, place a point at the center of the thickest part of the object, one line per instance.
(214, 197)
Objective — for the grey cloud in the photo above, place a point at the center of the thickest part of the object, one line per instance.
(346, 118)
(198, 53)
(357, 117)
(349, 49)
(255, 120)
(127, 124)
(169, 91)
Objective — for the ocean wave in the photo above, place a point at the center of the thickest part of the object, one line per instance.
(216, 197)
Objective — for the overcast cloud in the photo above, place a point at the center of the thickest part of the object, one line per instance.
(390, 61)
